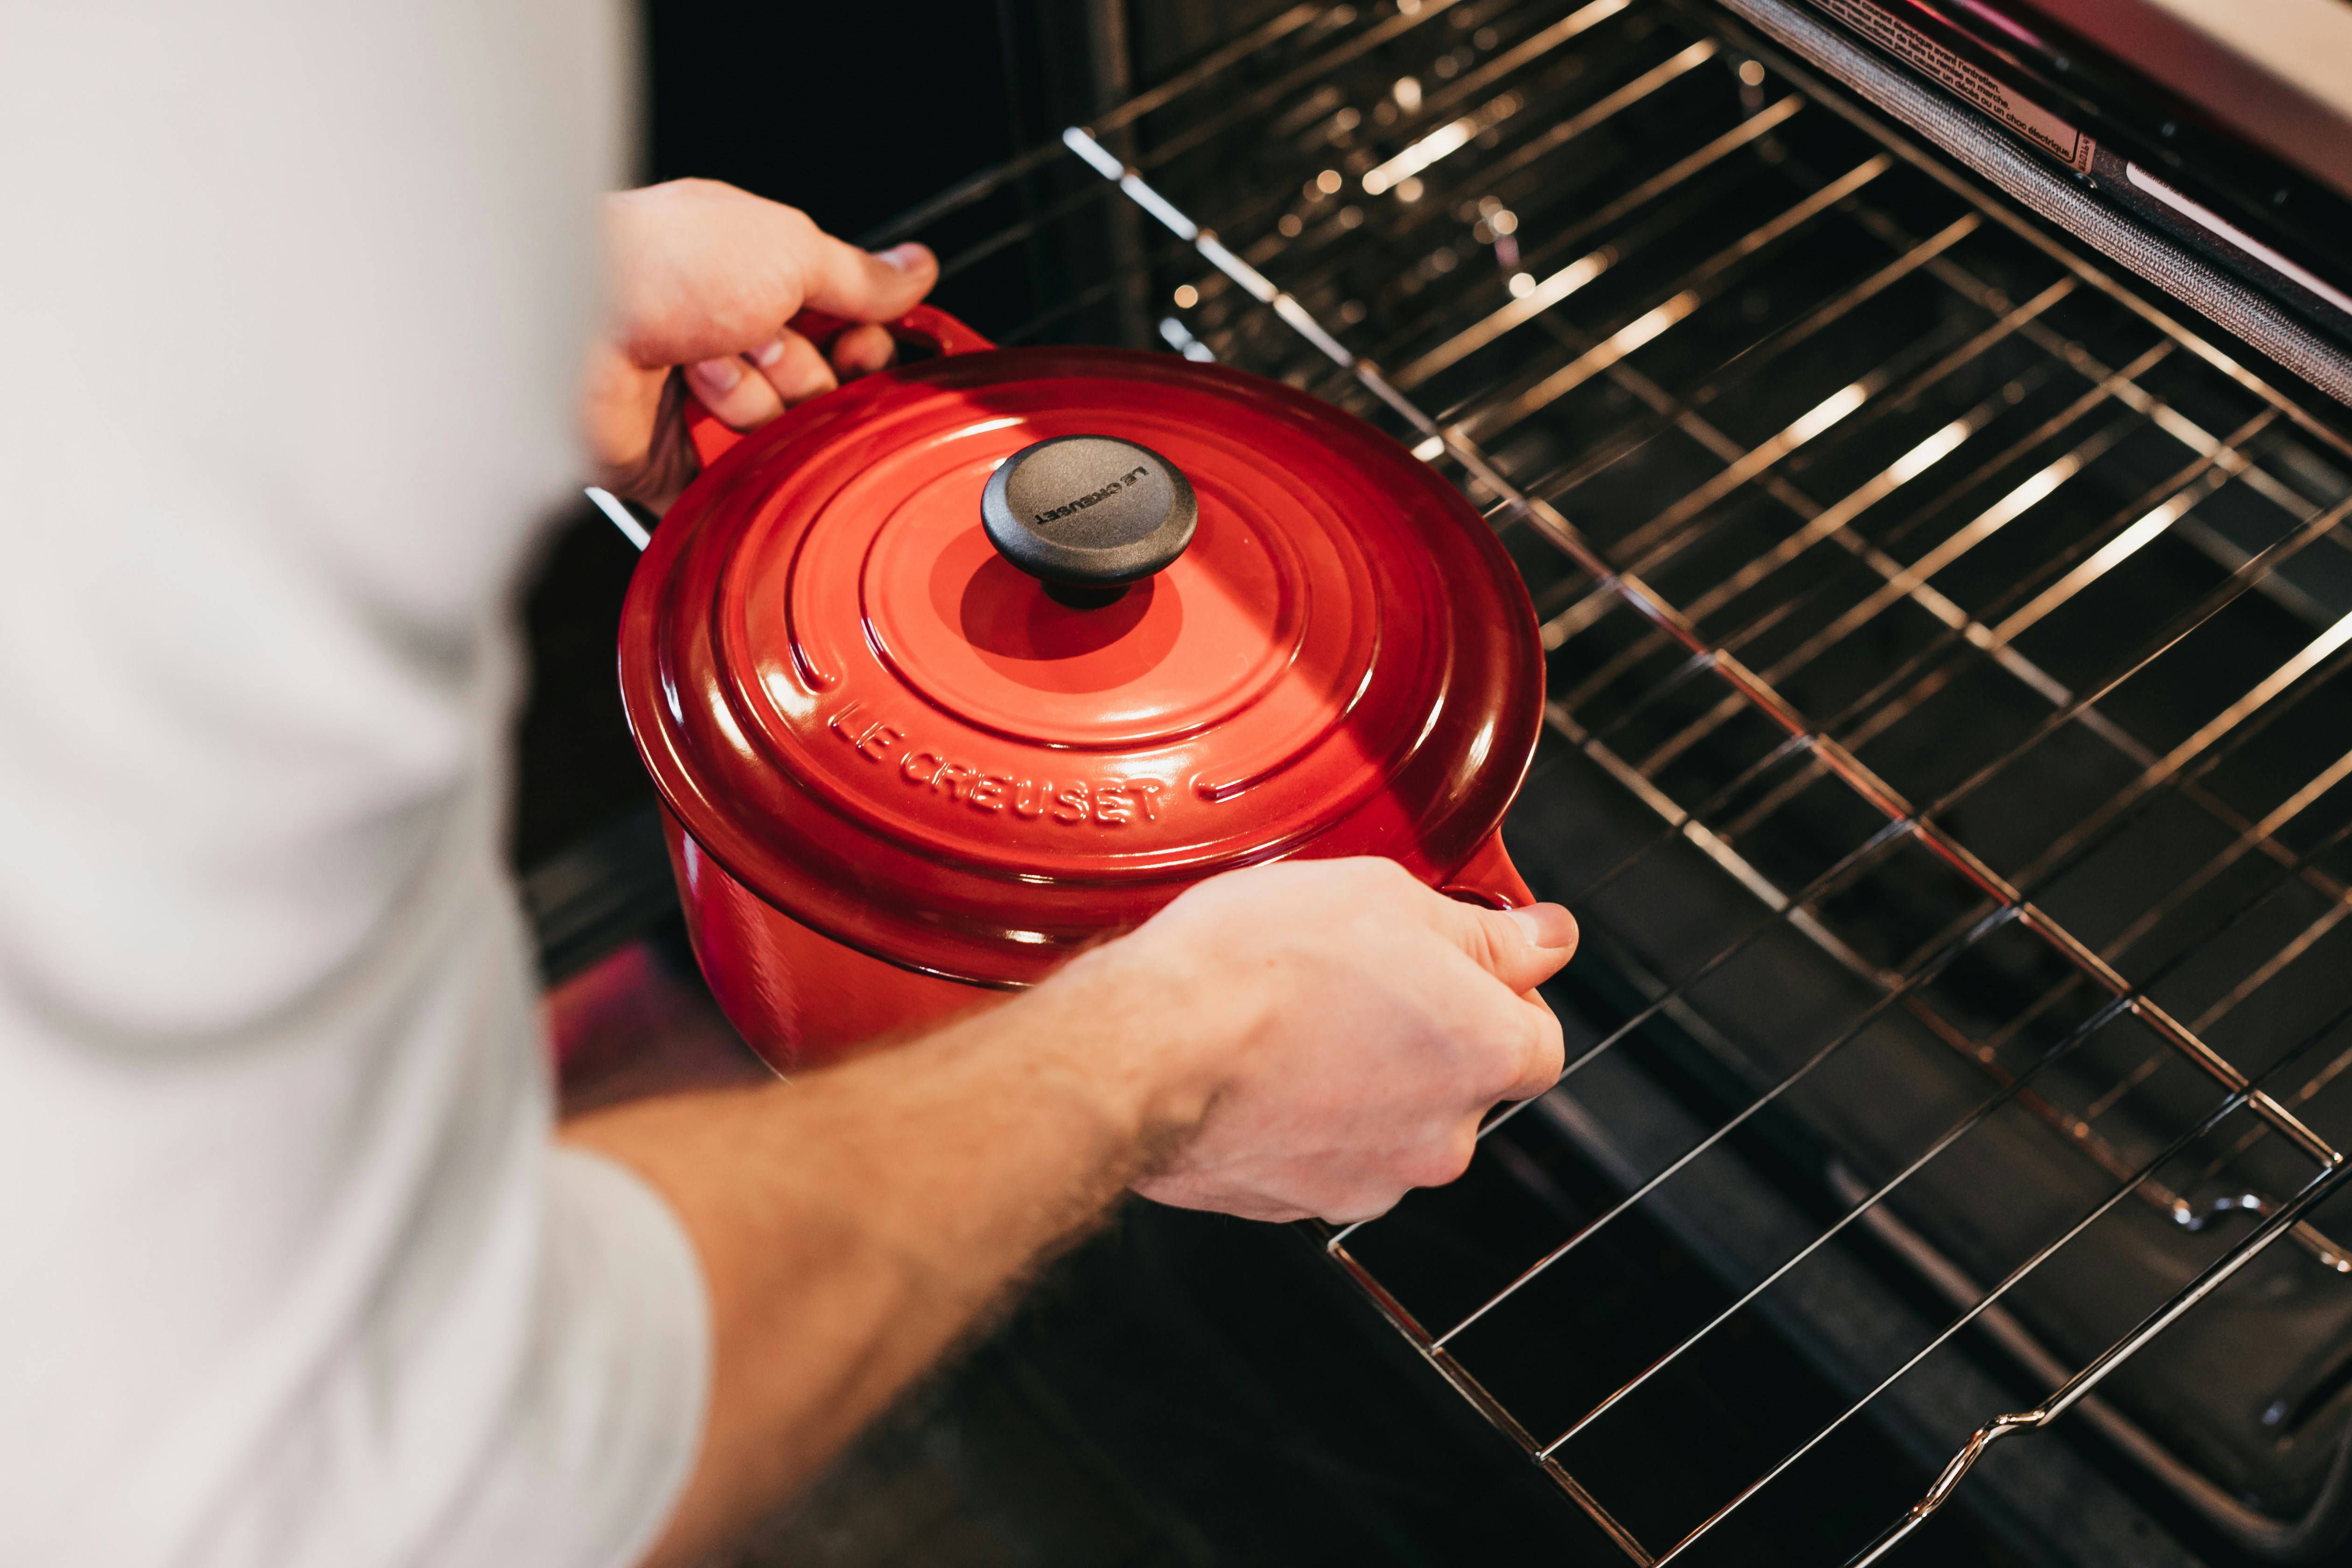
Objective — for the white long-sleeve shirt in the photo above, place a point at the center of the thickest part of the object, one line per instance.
(292, 302)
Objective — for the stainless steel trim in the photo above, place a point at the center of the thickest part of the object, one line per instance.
(2026, 179)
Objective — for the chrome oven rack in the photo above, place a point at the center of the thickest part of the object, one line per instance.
(1951, 650)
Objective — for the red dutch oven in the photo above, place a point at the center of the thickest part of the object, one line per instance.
(948, 673)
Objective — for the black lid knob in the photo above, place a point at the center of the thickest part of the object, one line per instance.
(1089, 513)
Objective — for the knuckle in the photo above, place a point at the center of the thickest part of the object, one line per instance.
(1524, 1055)
(1483, 940)
(1443, 1162)
(1540, 1042)
(1543, 1067)
(1551, 1051)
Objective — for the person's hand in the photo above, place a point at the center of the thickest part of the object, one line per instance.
(704, 277)
(1335, 1031)
(1299, 1038)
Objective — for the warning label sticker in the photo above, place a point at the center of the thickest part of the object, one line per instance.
(1977, 86)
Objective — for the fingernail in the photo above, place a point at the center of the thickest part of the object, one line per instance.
(1545, 925)
(721, 376)
(905, 257)
(768, 354)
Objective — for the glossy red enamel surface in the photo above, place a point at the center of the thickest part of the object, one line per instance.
(876, 725)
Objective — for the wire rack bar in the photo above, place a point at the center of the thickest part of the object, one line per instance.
(1900, 989)
(1865, 1205)
(2080, 1386)
(1869, 1201)
(2282, 1540)
(2090, 1377)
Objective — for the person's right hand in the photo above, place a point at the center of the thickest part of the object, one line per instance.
(1307, 1037)
(1335, 1032)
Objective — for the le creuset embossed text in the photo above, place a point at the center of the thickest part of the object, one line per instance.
(944, 674)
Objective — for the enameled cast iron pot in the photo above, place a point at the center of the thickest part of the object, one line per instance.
(913, 738)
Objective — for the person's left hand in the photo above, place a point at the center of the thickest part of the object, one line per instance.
(704, 277)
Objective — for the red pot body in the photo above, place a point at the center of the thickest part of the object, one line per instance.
(800, 998)
(901, 777)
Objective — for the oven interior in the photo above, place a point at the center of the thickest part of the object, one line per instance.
(1948, 639)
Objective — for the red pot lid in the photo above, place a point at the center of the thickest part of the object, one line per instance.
(868, 715)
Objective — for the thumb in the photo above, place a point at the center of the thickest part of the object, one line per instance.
(861, 286)
(1522, 948)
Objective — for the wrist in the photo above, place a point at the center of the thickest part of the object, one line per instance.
(1152, 1034)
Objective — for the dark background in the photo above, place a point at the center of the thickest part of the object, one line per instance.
(852, 112)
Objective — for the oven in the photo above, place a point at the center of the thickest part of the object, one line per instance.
(1924, 437)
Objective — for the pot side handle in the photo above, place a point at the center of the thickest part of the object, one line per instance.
(926, 328)
(1488, 877)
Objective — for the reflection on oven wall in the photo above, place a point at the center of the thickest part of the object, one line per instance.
(1947, 630)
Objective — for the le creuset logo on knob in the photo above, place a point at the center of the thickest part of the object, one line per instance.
(1112, 488)
(1087, 515)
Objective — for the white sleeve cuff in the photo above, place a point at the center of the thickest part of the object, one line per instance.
(606, 1421)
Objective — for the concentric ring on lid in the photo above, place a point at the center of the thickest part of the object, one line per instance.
(867, 716)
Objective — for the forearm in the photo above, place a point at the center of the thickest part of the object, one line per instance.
(1298, 1038)
(852, 1224)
